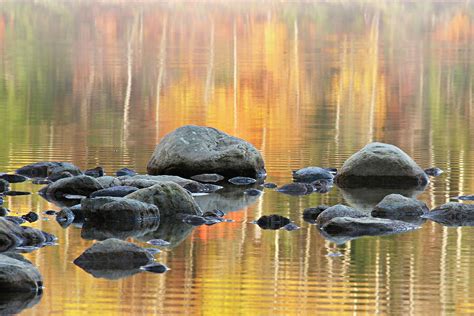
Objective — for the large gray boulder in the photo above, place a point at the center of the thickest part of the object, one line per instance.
(452, 214)
(169, 197)
(113, 259)
(79, 185)
(396, 206)
(13, 236)
(338, 210)
(18, 275)
(118, 209)
(192, 150)
(365, 226)
(381, 165)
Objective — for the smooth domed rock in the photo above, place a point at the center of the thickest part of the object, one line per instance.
(338, 210)
(169, 197)
(13, 178)
(118, 209)
(18, 275)
(452, 214)
(311, 174)
(396, 206)
(125, 172)
(365, 226)
(4, 185)
(45, 169)
(191, 150)
(118, 191)
(208, 177)
(381, 165)
(109, 182)
(113, 258)
(59, 175)
(95, 172)
(146, 181)
(80, 185)
(311, 214)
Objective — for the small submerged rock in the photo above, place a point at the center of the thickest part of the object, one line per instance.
(290, 227)
(13, 178)
(208, 177)
(253, 192)
(242, 180)
(95, 172)
(158, 242)
(270, 185)
(1, 200)
(311, 214)
(30, 217)
(311, 174)
(16, 193)
(273, 221)
(125, 172)
(433, 172)
(155, 268)
(46, 169)
(296, 189)
(4, 185)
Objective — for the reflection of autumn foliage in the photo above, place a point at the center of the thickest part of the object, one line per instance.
(459, 28)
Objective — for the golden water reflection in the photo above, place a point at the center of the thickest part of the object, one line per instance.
(101, 83)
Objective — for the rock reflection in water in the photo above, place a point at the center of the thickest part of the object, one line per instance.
(120, 230)
(15, 303)
(364, 199)
(171, 229)
(228, 199)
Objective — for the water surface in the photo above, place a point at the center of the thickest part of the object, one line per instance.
(100, 83)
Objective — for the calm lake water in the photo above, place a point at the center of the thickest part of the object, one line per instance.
(101, 82)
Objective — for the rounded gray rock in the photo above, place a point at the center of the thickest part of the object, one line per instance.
(396, 206)
(338, 210)
(381, 165)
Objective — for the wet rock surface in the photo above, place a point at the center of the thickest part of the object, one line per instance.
(191, 150)
(452, 214)
(13, 178)
(311, 214)
(242, 180)
(433, 172)
(92, 230)
(95, 172)
(116, 191)
(155, 268)
(396, 206)
(169, 197)
(4, 185)
(125, 172)
(208, 177)
(296, 189)
(380, 165)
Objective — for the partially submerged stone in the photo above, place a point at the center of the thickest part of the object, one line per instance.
(242, 180)
(146, 181)
(95, 172)
(13, 178)
(80, 185)
(191, 150)
(381, 165)
(13, 236)
(125, 172)
(338, 210)
(465, 197)
(113, 258)
(108, 181)
(47, 168)
(273, 221)
(169, 197)
(4, 185)
(311, 174)
(452, 214)
(311, 214)
(396, 206)
(296, 189)
(18, 275)
(433, 172)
